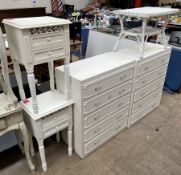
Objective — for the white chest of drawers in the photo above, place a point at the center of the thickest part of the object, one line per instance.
(35, 41)
(148, 79)
(101, 87)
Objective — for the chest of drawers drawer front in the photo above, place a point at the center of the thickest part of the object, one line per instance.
(142, 81)
(103, 125)
(48, 54)
(107, 97)
(96, 87)
(103, 137)
(44, 41)
(106, 111)
(54, 119)
(146, 100)
(148, 89)
(148, 66)
(2, 124)
(140, 114)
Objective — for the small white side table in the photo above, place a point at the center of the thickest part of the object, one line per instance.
(34, 41)
(142, 33)
(55, 114)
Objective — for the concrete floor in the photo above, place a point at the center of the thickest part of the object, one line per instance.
(150, 147)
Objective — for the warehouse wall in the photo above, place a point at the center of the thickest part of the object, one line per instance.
(10, 4)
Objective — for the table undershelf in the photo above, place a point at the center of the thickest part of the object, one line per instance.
(149, 31)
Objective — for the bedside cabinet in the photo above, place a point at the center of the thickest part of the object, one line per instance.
(34, 41)
(101, 87)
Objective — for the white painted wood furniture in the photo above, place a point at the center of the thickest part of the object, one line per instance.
(149, 78)
(11, 118)
(35, 41)
(101, 87)
(142, 33)
(55, 114)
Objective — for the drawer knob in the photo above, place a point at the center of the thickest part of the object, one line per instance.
(109, 97)
(48, 39)
(97, 104)
(49, 53)
(120, 105)
(84, 87)
(98, 88)
(146, 68)
(142, 94)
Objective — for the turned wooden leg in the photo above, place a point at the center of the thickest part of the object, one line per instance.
(31, 81)
(18, 138)
(18, 75)
(51, 72)
(26, 144)
(42, 155)
(32, 151)
(58, 137)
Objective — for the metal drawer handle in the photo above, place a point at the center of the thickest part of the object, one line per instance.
(96, 118)
(109, 97)
(146, 68)
(143, 93)
(84, 87)
(98, 88)
(97, 104)
(48, 39)
(120, 105)
(140, 105)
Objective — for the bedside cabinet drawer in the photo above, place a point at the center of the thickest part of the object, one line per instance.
(146, 100)
(140, 114)
(148, 89)
(43, 41)
(43, 55)
(103, 125)
(107, 97)
(150, 65)
(148, 78)
(106, 111)
(2, 124)
(95, 87)
(55, 119)
(103, 137)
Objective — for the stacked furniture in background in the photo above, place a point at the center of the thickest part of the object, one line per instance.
(101, 87)
(11, 118)
(34, 41)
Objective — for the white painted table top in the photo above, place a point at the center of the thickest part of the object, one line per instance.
(48, 102)
(146, 12)
(34, 22)
(149, 50)
(6, 106)
(87, 68)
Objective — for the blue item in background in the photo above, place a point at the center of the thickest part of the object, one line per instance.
(173, 76)
(85, 35)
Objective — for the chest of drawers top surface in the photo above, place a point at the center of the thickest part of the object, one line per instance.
(88, 68)
(34, 22)
(150, 51)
